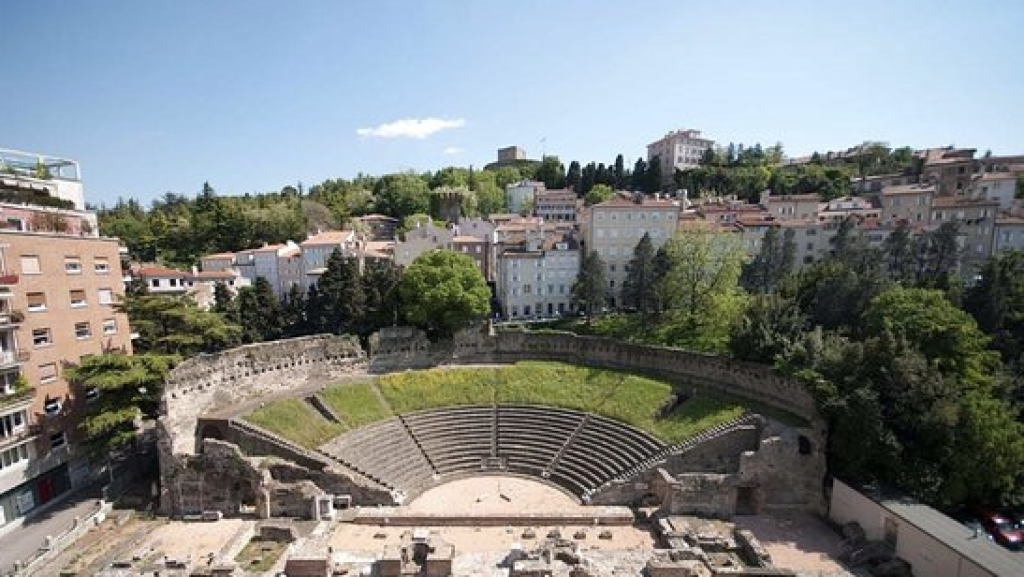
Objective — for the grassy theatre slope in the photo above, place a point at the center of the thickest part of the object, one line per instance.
(633, 399)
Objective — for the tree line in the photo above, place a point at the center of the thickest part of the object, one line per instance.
(918, 376)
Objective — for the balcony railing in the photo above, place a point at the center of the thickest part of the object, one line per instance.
(26, 394)
(11, 318)
(9, 358)
(8, 279)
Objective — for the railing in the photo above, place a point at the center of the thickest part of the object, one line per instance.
(11, 318)
(9, 358)
(8, 279)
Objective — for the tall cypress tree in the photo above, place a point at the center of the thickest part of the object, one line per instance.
(341, 295)
(639, 289)
(591, 289)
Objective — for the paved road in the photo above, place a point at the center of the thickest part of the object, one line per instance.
(22, 542)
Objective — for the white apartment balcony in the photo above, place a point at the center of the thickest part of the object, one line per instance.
(10, 358)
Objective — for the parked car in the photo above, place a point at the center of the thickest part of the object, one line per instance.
(1002, 529)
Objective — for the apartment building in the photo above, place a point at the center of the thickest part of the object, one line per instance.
(519, 196)
(614, 227)
(40, 179)
(316, 249)
(909, 203)
(975, 218)
(949, 169)
(58, 294)
(535, 273)
(791, 206)
(556, 205)
(681, 149)
(1008, 235)
(423, 238)
(1000, 187)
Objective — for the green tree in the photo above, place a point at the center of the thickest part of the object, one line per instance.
(380, 293)
(774, 261)
(341, 297)
(551, 172)
(996, 302)
(176, 326)
(652, 176)
(122, 388)
(223, 300)
(400, 195)
(590, 291)
(640, 289)
(442, 292)
(701, 290)
(258, 312)
(598, 194)
(293, 313)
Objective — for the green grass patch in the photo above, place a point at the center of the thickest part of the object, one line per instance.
(259, 555)
(356, 404)
(627, 397)
(296, 420)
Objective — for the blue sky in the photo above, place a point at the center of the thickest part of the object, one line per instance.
(161, 96)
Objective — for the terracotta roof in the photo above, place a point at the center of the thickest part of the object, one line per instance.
(214, 274)
(162, 271)
(329, 237)
(219, 255)
(907, 189)
(269, 248)
(795, 197)
(467, 238)
(953, 201)
(619, 201)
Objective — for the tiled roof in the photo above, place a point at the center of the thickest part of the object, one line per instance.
(161, 271)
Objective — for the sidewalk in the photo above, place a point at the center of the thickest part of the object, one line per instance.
(19, 543)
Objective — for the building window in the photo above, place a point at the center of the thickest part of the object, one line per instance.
(106, 296)
(30, 264)
(101, 266)
(52, 406)
(47, 373)
(41, 338)
(13, 456)
(58, 440)
(82, 331)
(154, 283)
(72, 265)
(36, 302)
(77, 298)
(12, 424)
(110, 326)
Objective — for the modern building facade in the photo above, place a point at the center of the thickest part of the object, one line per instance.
(59, 296)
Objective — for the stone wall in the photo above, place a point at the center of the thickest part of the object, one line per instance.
(771, 467)
(210, 383)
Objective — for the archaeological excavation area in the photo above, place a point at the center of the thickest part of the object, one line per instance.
(503, 453)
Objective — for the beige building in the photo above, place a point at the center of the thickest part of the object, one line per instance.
(791, 206)
(909, 203)
(614, 227)
(1009, 234)
(535, 272)
(58, 294)
(681, 149)
(976, 221)
(556, 205)
(951, 170)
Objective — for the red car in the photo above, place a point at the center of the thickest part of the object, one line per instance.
(1002, 529)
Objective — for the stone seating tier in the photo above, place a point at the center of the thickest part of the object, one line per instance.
(417, 450)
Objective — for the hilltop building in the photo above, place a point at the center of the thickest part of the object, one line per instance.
(681, 149)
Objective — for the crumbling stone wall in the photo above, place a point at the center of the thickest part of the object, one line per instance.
(720, 454)
(208, 383)
(402, 348)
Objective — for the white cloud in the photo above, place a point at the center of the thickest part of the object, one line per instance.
(411, 128)
(453, 150)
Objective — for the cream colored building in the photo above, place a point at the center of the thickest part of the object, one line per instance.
(614, 227)
(909, 203)
(681, 149)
